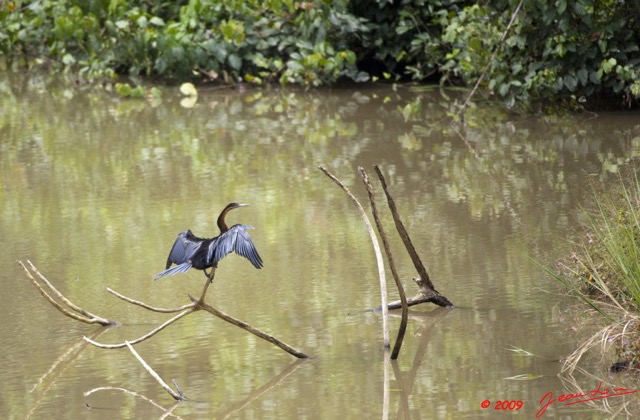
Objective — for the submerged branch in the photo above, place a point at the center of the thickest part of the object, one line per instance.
(376, 248)
(392, 265)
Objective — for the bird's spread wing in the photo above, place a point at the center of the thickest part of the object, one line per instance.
(181, 253)
(237, 240)
(181, 268)
(184, 247)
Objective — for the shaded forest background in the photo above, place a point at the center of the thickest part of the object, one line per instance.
(520, 50)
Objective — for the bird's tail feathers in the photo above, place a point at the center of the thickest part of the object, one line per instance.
(181, 268)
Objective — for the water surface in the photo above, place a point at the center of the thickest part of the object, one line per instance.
(95, 189)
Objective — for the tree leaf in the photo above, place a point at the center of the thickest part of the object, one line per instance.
(583, 76)
(571, 82)
(157, 21)
(234, 61)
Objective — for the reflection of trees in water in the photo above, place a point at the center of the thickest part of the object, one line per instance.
(86, 164)
(499, 167)
(84, 161)
(504, 158)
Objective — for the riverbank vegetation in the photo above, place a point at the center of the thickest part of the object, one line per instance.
(518, 51)
(603, 271)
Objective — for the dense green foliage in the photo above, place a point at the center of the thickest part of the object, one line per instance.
(520, 50)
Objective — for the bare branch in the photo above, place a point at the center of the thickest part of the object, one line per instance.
(238, 323)
(85, 316)
(144, 337)
(392, 266)
(211, 275)
(380, 261)
(176, 396)
(404, 235)
(424, 295)
(146, 306)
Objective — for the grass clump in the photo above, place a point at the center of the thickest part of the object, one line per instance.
(604, 270)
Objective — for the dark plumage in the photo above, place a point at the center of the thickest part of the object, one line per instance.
(190, 251)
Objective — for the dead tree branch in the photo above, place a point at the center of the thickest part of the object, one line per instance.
(178, 396)
(148, 307)
(424, 295)
(380, 261)
(144, 337)
(429, 290)
(74, 311)
(238, 323)
(196, 305)
(392, 265)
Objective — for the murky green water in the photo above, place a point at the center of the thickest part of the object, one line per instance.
(95, 189)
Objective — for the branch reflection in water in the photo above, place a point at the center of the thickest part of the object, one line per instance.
(59, 366)
(405, 381)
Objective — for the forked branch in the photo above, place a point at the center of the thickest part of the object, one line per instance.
(179, 396)
(425, 284)
(424, 295)
(69, 309)
(144, 337)
(392, 265)
(75, 312)
(376, 249)
(148, 307)
(196, 305)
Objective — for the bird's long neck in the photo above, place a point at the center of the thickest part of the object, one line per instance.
(221, 223)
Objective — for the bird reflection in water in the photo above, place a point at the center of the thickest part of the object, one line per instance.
(190, 251)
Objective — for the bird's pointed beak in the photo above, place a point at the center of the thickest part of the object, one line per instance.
(242, 205)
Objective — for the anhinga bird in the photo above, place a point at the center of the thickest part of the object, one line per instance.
(189, 251)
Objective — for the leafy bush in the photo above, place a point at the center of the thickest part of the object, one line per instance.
(276, 40)
(549, 49)
(553, 49)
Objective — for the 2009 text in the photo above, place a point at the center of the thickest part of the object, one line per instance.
(504, 405)
(514, 405)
